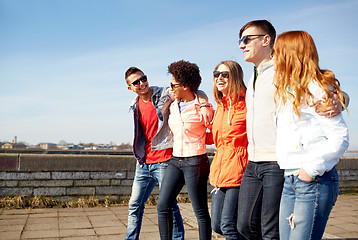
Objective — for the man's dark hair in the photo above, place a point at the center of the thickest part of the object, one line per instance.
(265, 26)
(186, 73)
(132, 70)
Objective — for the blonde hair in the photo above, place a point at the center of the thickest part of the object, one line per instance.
(235, 82)
(296, 60)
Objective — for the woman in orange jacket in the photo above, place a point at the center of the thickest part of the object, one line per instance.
(229, 135)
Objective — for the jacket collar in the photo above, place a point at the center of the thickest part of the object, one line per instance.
(230, 98)
(196, 100)
(156, 91)
(264, 67)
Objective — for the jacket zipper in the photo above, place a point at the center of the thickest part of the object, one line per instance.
(253, 120)
(223, 145)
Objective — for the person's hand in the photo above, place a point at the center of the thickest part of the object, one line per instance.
(171, 94)
(333, 109)
(303, 175)
(207, 114)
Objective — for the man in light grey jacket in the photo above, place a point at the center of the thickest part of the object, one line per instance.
(261, 187)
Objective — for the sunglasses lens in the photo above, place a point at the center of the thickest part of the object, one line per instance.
(245, 39)
(225, 74)
(174, 86)
(142, 79)
(136, 82)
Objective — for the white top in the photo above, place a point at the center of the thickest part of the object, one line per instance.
(314, 143)
(260, 117)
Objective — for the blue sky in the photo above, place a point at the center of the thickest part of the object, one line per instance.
(62, 63)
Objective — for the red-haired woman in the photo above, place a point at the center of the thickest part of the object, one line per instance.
(308, 145)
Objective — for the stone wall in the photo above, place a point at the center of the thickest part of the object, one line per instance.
(69, 176)
(348, 175)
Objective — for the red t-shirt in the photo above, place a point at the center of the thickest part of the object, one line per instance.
(149, 120)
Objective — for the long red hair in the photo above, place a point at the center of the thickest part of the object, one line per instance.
(296, 61)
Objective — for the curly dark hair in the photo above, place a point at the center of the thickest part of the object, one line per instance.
(186, 73)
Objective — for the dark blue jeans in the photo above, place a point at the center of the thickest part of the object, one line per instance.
(192, 171)
(224, 205)
(259, 200)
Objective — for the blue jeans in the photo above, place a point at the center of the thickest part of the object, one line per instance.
(192, 171)
(224, 205)
(259, 200)
(305, 206)
(145, 179)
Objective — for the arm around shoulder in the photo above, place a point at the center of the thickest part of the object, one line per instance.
(202, 96)
(207, 111)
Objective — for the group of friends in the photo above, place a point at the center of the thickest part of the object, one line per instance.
(278, 141)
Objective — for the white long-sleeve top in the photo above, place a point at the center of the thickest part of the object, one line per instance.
(260, 117)
(313, 142)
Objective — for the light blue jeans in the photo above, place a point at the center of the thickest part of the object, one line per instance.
(305, 206)
(145, 179)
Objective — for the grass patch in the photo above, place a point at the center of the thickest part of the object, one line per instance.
(349, 194)
(22, 201)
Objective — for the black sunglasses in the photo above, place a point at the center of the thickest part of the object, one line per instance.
(143, 79)
(225, 74)
(245, 39)
(173, 86)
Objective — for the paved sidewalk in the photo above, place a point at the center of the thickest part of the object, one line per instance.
(110, 223)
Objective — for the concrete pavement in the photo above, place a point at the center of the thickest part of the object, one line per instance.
(110, 223)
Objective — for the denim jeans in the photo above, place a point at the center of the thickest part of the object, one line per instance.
(145, 179)
(224, 205)
(305, 206)
(259, 200)
(192, 171)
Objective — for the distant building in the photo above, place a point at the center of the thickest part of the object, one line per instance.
(72, 146)
(33, 146)
(103, 147)
(48, 145)
(7, 145)
(14, 145)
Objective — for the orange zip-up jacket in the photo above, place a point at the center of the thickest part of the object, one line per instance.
(229, 135)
